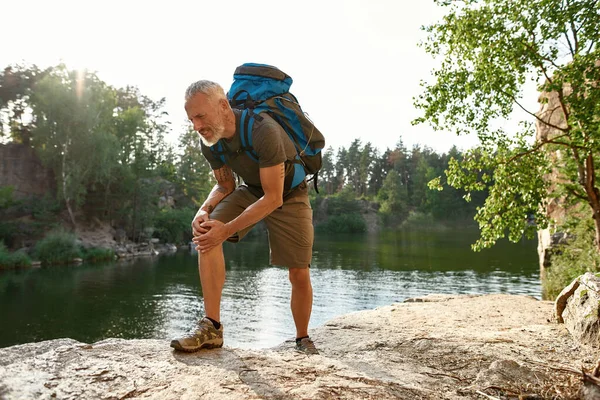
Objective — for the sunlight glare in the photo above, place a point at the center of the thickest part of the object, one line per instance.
(80, 83)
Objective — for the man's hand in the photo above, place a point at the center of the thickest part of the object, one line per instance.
(213, 234)
(201, 216)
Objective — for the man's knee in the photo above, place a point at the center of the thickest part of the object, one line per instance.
(209, 257)
(299, 276)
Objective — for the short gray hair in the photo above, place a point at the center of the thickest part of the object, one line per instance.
(209, 88)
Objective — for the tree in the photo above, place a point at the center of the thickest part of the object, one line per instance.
(489, 50)
(353, 165)
(71, 114)
(16, 83)
(365, 167)
(194, 172)
(341, 169)
(393, 197)
(380, 169)
(400, 160)
(327, 172)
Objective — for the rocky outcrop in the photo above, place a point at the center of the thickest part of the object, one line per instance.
(440, 347)
(578, 306)
(22, 169)
(99, 234)
(552, 115)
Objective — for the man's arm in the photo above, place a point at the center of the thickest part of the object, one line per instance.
(272, 181)
(225, 185)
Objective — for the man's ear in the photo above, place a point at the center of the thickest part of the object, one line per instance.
(223, 104)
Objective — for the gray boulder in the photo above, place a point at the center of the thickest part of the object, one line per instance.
(578, 306)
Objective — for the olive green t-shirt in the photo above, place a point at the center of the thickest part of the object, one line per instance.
(269, 141)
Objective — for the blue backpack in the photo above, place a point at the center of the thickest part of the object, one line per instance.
(259, 88)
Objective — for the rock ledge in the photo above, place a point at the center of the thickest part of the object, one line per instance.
(443, 347)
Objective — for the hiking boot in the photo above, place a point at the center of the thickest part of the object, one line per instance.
(206, 336)
(307, 346)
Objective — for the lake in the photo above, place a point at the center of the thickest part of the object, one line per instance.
(160, 297)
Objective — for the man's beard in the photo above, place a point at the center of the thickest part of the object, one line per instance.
(217, 133)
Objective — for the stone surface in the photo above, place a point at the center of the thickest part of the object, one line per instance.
(22, 169)
(443, 347)
(582, 312)
(561, 300)
(556, 209)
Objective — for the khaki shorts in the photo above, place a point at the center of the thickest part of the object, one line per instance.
(289, 227)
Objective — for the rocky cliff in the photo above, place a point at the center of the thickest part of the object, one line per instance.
(22, 169)
(550, 116)
(551, 113)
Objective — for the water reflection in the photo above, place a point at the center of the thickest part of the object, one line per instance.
(161, 298)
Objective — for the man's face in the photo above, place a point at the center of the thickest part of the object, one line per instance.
(207, 116)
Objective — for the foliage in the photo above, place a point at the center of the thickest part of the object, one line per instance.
(193, 172)
(106, 148)
(58, 247)
(94, 254)
(489, 50)
(8, 232)
(449, 204)
(571, 259)
(343, 223)
(13, 260)
(174, 225)
(71, 112)
(513, 197)
(101, 143)
(416, 218)
(41, 215)
(344, 202)
(16, 83)
(6, 196)
(393, 198)
(327, 177)
(43, 209)
(343, 213)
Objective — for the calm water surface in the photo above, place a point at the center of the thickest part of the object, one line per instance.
(160, 297)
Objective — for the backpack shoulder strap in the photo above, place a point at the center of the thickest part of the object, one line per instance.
(218, 151)
(246, 125)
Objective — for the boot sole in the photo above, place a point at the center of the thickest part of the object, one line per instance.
(177, 346)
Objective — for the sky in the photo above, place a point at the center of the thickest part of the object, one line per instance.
(356, 64)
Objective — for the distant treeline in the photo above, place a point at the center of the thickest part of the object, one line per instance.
(396, 179)
(106, 149)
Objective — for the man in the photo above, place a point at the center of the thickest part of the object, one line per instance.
(229, 212)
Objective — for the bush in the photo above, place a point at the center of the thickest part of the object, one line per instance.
(174, 225)
(97, 254)
(58, 247)
(13, 260)
(571, 260)
(6, 196)
(343, 203)
(347, 223)
(8, 232)
(417, 218)
(20, 259)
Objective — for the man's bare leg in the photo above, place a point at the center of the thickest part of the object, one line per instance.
(211, 266)
(302, 299)
(207, 335)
